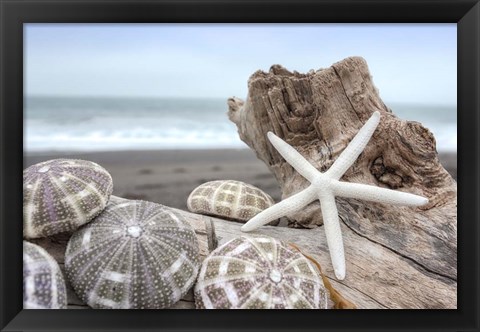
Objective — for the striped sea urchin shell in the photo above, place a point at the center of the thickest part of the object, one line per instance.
(228, 199)
(60, 195)
(134, 255)
(259, 273)
(43, 282)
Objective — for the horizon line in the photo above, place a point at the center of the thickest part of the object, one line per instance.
(450, 104)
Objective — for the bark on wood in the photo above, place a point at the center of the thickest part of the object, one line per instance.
(319, 113)
(203, 226)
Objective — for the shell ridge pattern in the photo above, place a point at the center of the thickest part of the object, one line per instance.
(88, 186)
(53, 267)
(112, 222)
(231, 282)
(214, 201)
(166, 245)
(131, 267)
(252, 297)
(67, 197)
(111, 254)
(60, 198)
(151, 214)
(236, 204)
(276, 253)
(120, 278)
(222, 279)
(48, 188)
(293, 290)
(84, 170)
(312, 268)
(98, 282)
(164, 266)
(30, 210)
(106, 252)
(174, 266)
(260, 194)
(156, 265)
(43, 282)
(147, 247)
(251, 262)
(255, 261)
(228, 199)
(292, 263)
(203, 294)
(82, 249)
(294, 275)
(260, 250)
(52, 264)
(185, 242)
(148, 280)
(98, 240)
(175, 218)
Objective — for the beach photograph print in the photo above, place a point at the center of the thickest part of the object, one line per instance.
(240, 166)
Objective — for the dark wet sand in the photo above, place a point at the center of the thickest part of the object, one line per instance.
(168, 176)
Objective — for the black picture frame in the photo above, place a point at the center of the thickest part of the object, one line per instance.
(14, 13)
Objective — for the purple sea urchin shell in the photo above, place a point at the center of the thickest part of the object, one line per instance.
(259, 273)
(43, 283)
(228, 199)
(60, 195)
(134, 255)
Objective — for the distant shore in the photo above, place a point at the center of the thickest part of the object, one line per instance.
(168, 176)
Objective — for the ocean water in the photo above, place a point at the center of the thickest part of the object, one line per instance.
(101, 124)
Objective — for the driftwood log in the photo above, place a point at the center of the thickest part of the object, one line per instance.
(318, 113)
(376, 278)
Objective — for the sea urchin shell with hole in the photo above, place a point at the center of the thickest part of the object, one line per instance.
(228, 199)
(43, 282)
(134, 255)
(60, 195)
(259, 273)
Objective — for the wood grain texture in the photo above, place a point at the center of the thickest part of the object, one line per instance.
(318, 113)
(377, 277)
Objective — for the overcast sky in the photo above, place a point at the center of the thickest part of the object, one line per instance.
(414, 63)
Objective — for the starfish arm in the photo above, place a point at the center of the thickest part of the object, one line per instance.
(377, 194)
(354, 148)
(293, 157)
(333, 233)
(287, 206)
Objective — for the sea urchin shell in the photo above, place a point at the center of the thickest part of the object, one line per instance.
(228, 199)
(134, 255)
(60, 195)
(259, 273)
(43, 283)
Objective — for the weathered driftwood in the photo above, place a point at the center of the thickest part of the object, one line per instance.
(377, 277)
(319, 113)
(203, 226)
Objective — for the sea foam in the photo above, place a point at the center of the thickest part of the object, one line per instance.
(101, 124)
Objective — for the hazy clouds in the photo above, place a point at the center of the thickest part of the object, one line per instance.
(409, 62)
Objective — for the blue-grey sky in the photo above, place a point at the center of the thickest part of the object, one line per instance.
(412, 63)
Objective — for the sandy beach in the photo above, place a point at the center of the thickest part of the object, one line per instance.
(168, 176)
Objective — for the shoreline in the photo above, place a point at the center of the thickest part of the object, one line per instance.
(169, 176)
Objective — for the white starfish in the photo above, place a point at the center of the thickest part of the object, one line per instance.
(325, 186)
